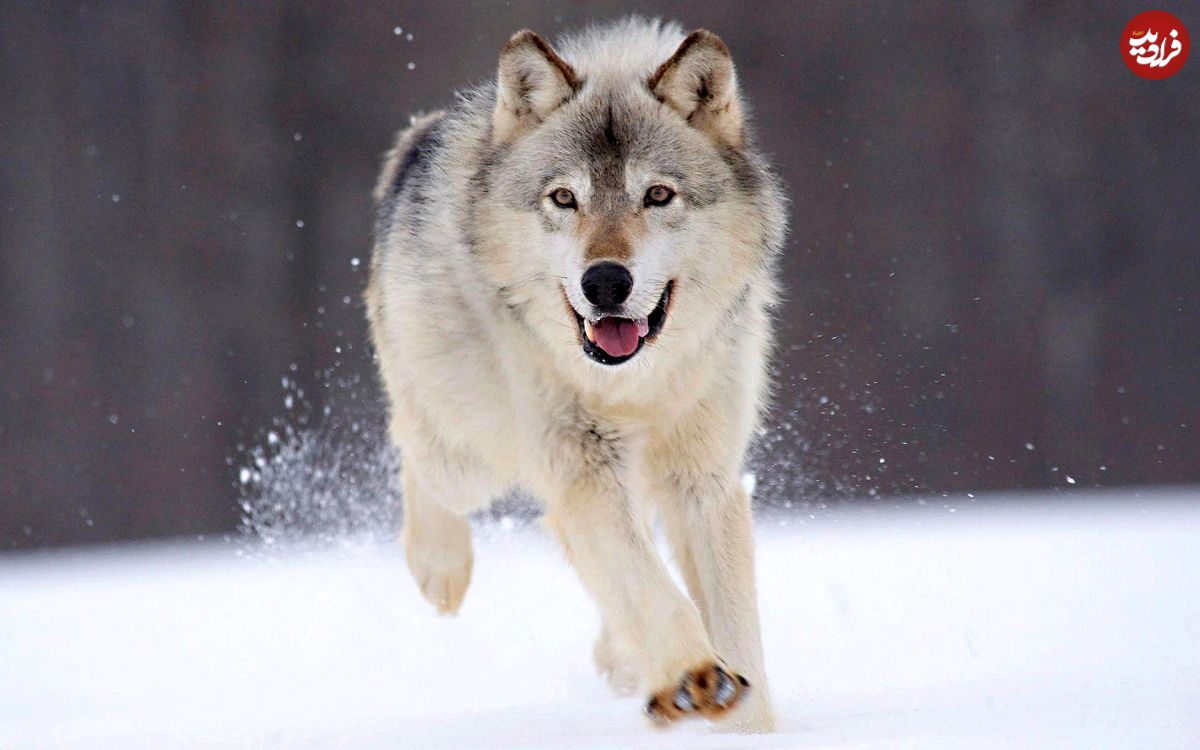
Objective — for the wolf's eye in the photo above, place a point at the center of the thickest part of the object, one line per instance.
(659, 195)
(563, 198)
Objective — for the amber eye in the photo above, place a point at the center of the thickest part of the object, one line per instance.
(563, 198)
(659, 195)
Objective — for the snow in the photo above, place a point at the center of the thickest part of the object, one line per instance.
(1016, 622)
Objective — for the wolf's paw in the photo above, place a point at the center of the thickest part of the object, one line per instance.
(441, 564)
(709, 691)
(443, 578)
(613, 665)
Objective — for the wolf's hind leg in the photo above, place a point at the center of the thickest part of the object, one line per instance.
(437, 545)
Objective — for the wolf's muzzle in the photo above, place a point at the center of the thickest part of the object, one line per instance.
(613, 340)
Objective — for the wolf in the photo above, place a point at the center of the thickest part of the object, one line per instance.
(571, 293)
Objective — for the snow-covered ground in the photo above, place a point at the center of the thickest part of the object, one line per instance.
(1027, 622)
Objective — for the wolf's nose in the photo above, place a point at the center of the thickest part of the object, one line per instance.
(606, 284)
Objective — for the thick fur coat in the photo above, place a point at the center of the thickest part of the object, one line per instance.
(570, 294)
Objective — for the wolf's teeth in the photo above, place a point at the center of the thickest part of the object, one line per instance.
(643, 326)
(587, 329)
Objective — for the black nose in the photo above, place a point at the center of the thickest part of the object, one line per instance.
(606, 284)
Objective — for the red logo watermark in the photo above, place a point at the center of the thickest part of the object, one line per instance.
(1155, 44)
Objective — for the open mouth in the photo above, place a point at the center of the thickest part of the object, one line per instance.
(613, 340)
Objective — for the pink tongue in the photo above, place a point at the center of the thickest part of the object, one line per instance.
(616, 336)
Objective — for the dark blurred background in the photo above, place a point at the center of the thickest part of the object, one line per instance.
(993, 269)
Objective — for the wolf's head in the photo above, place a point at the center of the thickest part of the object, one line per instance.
(620, 210)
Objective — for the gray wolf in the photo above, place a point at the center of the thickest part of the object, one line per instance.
(570, 293)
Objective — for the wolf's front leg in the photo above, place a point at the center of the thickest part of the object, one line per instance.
(437, 546)
(713, 538)
(613, 554)
(693, 473)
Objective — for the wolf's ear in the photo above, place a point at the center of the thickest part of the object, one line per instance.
(699, 83)
(532, 82)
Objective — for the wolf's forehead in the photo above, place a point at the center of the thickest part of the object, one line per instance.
(605, 144)
(609, 139)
